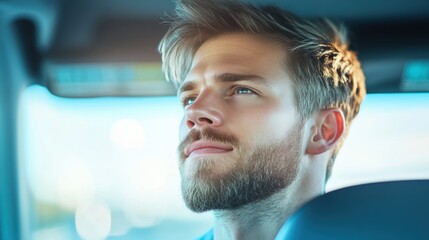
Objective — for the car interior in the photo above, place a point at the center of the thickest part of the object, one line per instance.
(89, 125)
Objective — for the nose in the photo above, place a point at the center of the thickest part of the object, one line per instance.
(205, 111)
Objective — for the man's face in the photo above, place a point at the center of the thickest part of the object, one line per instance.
(241, 138)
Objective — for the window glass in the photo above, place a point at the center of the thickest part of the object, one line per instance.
(389, 140)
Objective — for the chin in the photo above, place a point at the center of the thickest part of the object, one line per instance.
(207, 167)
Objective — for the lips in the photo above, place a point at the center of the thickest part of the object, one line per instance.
(206, 147)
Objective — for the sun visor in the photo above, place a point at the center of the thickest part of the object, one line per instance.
(106, 57)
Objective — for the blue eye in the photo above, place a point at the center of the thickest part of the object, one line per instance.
(188, 101)
(243, 90)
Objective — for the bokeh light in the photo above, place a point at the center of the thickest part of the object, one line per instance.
(93, 221)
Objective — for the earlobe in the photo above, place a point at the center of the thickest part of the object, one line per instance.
(327, 131)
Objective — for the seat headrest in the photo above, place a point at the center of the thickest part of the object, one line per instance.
(387, 210)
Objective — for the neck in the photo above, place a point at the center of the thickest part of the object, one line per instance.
(259, 220)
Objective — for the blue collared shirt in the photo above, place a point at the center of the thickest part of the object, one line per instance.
(207, 236)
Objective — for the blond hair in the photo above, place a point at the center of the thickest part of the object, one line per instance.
(326, 74)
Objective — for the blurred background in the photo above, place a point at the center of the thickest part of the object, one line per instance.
(89, 127)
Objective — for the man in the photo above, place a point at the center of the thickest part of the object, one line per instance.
(268, 98)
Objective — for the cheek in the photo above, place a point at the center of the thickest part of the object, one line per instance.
(250, 126)
(273, 124)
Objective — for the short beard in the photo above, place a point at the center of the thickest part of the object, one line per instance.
(266, 170)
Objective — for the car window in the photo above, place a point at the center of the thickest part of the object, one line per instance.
(387, 141)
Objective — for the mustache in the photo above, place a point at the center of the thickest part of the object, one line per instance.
(209, 135)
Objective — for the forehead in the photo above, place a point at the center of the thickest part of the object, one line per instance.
(240, 53)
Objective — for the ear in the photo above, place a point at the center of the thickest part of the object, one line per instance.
(327, 130)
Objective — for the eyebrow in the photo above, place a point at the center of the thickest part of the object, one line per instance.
(187, 86)
(225, 77)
